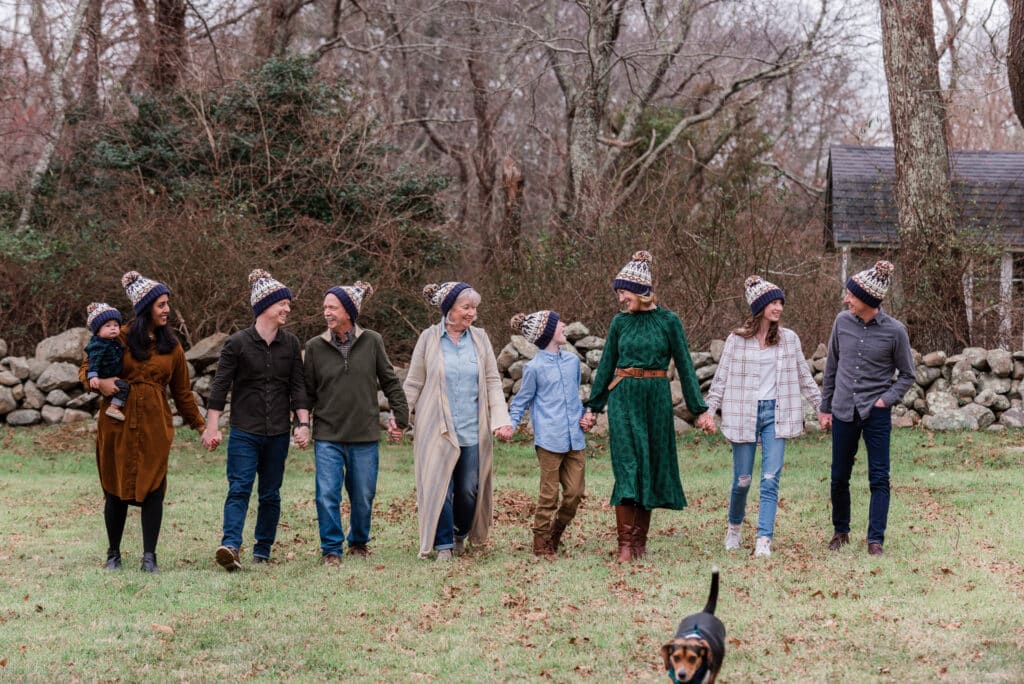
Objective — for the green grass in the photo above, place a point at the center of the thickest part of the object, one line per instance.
(943, 604)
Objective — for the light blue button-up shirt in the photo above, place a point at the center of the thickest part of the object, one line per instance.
(461, 376)
(551, 390)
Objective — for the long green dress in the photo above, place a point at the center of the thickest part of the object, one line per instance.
(641, 426)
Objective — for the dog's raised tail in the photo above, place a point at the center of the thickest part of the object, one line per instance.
(713, 595)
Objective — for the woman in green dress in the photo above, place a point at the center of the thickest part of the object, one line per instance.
(632, 380)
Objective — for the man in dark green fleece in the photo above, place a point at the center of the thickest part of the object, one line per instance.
(344, 367)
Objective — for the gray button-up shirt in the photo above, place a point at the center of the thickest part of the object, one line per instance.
(862, 359)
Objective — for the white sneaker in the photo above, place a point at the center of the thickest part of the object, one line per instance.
(763, 547)
(444, 555)
(733, 538)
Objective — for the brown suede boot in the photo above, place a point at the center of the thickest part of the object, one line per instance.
(624, 516)
(557, 528)
(643, 523)
(542, 546)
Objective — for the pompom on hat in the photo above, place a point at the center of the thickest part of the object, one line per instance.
(760, 293)
(636, 275)
(265, 291)
(352, 296)
(99, 313)
(871, 285)
(444, 294)
(538, 327)
(142, 291)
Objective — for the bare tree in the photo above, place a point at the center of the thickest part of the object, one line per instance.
(930, 269)
(58, 105)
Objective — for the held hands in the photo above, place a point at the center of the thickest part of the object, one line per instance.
(825, 421)
(301, 436)
(505, 433)
(587, 421)
(212, 437)
(706, 422)
(94, 383)
(394, 432)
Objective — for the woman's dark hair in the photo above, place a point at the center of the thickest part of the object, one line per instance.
(138, 337)
(753, 325)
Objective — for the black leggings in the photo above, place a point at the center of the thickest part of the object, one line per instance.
(115, 512)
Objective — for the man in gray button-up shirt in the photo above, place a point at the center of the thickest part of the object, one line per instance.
(866, 350)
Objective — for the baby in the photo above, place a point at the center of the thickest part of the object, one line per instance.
(105, 352)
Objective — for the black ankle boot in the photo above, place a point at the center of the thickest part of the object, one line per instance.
(113, 560)
(149, 563)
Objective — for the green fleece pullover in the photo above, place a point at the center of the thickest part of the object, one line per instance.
(343, 394)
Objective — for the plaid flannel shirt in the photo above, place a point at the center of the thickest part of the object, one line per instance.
(737, 379)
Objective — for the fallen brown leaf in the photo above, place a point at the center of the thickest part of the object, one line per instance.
(162, 628)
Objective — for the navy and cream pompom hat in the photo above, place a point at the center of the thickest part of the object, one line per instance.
(265, 291)
(538, 327)
(99, 313)
(870, 286)
(636, 275)
(352, 296)
(142, 291)
(444, 295)
(760, 293)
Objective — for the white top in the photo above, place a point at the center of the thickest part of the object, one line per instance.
(766, 389)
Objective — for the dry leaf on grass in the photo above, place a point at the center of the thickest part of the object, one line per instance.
(164, 629)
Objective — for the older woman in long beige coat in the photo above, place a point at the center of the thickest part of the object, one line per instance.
(456, 400)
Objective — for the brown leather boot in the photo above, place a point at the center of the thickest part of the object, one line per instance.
(557, 528)
(542, 546)
(624, 516)
(642, 524)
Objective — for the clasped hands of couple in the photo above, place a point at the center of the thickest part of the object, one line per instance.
(706, 421)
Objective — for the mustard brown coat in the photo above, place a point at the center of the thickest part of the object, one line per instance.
(132, 456)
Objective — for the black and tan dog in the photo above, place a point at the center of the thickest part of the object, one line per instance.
(696, 653)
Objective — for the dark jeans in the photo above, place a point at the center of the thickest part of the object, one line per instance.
(250, 455)
(875, 429)
(456, 517)
(121, 398)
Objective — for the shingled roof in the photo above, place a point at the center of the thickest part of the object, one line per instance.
(860, 209)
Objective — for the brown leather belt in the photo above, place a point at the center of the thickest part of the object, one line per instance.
(621, 373)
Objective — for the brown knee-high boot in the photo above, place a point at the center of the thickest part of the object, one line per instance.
(642, 524)
(624, 521)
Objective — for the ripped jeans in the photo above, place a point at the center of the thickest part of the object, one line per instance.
(772, 451)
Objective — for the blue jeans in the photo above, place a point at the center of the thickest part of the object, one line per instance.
(456, 517)
(250, 455)
(875, 429)
(773, 450)
(355, 465)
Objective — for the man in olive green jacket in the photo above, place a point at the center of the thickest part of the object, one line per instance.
(344, 367)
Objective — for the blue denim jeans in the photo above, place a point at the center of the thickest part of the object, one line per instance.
(456, 517)
(250, 455)
(875, 429)
(355, 465)
(773, 450)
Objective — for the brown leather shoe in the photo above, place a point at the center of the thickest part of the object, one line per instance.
(557, 528)
(839, 540)
(874, 549)
(542, 546)
(227, 558)
(361, 550)
(331, 560)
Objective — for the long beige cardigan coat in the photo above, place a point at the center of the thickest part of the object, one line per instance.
(435, 445)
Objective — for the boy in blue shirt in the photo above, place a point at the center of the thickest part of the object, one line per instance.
(551, 391)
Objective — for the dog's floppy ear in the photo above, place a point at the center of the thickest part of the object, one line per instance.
(666, 652)
(706, 655)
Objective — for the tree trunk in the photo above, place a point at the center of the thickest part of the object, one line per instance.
(169, 30)
(90, 95)
(930, 268)
(1015, 57)
(59, 105)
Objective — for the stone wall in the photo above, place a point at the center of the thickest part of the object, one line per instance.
(976, 389)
